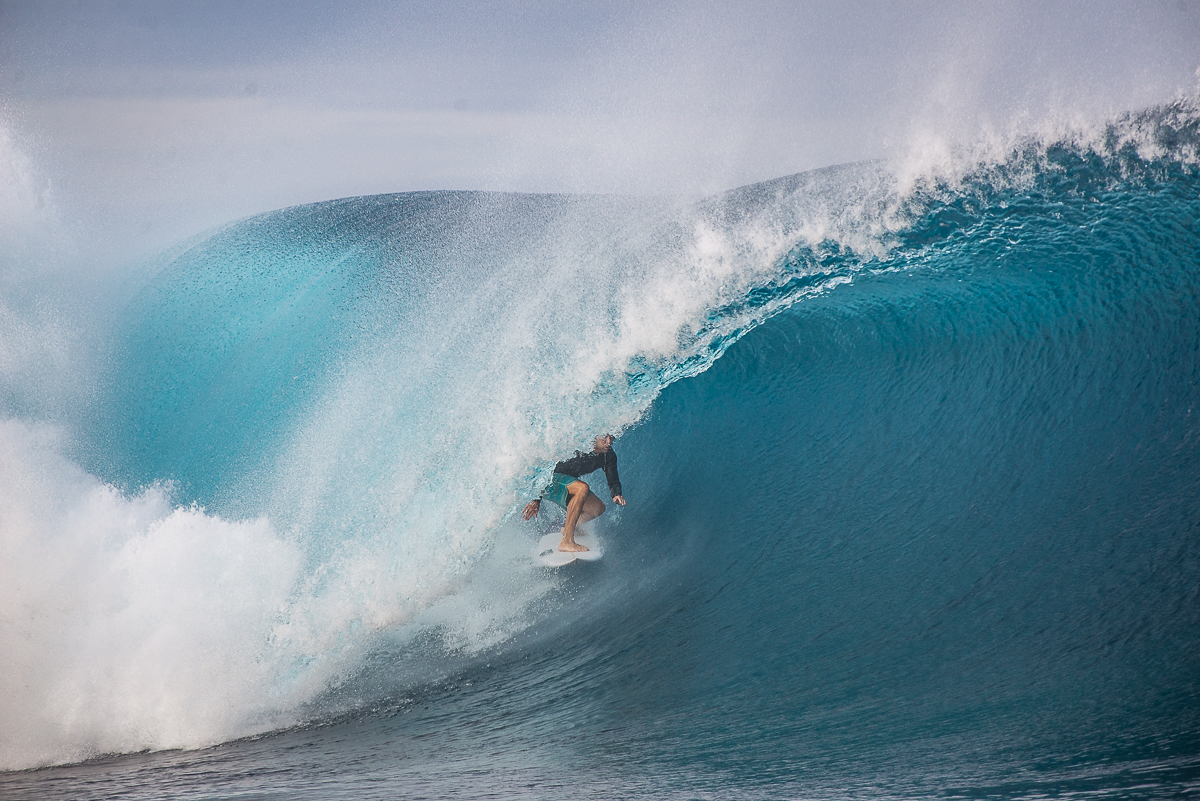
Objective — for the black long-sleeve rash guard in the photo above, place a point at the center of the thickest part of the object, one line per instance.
(583, 463)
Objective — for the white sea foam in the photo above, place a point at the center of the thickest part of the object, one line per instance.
(933, 157)
(128, 624)
(131, 623)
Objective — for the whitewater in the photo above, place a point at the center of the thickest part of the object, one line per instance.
(911, 451)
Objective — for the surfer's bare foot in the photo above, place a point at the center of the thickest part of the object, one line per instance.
(571, 546)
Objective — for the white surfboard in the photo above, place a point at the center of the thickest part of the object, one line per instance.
(549, 555)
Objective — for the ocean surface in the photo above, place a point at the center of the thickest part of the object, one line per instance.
(912, 462)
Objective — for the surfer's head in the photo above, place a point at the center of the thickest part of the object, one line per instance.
(604, 443)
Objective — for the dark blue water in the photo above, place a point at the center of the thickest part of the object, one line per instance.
(928, 525)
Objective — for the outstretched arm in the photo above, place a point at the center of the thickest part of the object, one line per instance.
(531, 508)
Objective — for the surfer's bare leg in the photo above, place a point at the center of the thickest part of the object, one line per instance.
(582, 507)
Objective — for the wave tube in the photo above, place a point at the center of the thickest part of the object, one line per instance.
(366, 388)
(922, 453)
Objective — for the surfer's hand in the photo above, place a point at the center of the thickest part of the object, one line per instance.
(531, 508)
(619, 499)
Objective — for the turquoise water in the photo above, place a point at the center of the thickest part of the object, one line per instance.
(913, 477)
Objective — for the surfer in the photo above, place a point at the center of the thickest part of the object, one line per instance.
(568, 491)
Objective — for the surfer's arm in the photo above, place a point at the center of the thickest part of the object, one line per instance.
(614, 481)
(531, 508)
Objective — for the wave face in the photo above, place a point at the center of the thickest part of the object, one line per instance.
(913, 472)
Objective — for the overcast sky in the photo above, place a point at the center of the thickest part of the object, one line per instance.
(153, 120)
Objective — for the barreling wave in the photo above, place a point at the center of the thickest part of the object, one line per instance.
(921, 440)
